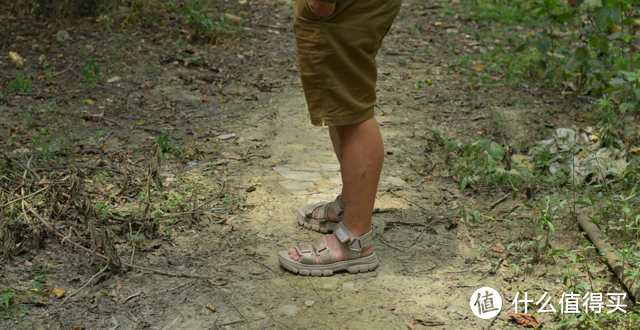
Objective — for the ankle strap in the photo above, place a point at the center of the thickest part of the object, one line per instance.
(338, 206)
(354, 244)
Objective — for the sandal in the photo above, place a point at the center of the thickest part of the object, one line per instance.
(353, 263)
(316, 216)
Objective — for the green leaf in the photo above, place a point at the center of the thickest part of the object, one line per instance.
(565, 16)
(625, 106)
(464, 182)
(607, 15)
(616, 81)
(557, 252)
(521, 47)
(577, 3)
(625, 37)
(543, 47)
(603, 46)
(451, 145)
(637, 92)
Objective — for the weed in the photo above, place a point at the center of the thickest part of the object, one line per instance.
(91, 72)
(20, 84)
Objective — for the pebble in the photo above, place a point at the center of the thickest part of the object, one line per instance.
(62, 35)
(289, 310)
(309, 303)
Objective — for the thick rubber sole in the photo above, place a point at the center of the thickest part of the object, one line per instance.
(354, 266)
(315, 225)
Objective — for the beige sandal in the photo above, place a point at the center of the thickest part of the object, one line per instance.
(353, 263)
(316, 216)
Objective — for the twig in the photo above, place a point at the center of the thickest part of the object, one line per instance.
(21, 198)
(314, 289)
(48, 226)
(389, 245)
(265, 322)
(416, 204)
(236, 308)
(231, 322)
(425, 229)
(71, 295)
(21, 165)
(114, 169)
(502, 199)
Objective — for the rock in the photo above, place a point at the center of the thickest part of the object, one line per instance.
(289, 310)
(261, 315)
(287, 173)
(16, 59)
(41, 59)
(296, 185)
(394, 181)
(63, 35)
(349, 287)
(327, 283)
(309, 303)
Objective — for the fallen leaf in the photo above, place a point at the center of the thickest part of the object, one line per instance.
(451, 223)
(541, 273)
(634, 150)
(250, 189)
(232, 17)
(412, 322)
(225, 100)
(229, 155)
(430, 323)
(211, 308)
(214, 282)
(498, 247)
(16, 60)
(113, 79)
(59, 292)
(434, 263)
(118, 286)
(206, 99)
(480, 67)
(525, 319)
(89, 102)
(226, 136)
(47, 294)
(558, 293)
(392, 307)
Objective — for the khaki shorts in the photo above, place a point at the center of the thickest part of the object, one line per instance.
(338, 58)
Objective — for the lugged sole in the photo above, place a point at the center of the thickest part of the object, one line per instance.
(360, 265)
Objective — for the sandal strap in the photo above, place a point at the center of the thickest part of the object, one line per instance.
(338, 207)
(305, 251)
(354, 244)
(307, 255)
(322, 249)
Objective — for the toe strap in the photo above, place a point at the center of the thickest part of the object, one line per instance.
(305, 251)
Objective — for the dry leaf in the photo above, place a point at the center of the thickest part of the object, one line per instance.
(541, 273)
(225, 100)
(634, 150)
(430, 323)
(118, 286)
(558, 293)
(16, 59)
(480, 67)
(229, 155)
(250, 189)
(232, 17)
(498, 247)
(206, 99)
(89, 102)
(392, 307)
(525, 319)
(113, 79)
(59, 292)
(226, 136)
(214, 282)
(211, 308)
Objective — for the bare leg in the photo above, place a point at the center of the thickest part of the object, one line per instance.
(335, 140)
(362, 155)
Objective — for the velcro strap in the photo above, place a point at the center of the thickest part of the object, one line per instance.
(321, 212)
(366, 240)
(338, 207)
(305, 247)
(343, 234)
(324, 254)
(306, 254)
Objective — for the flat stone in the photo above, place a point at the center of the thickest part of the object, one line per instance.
(289, 310)
(309, 303)
(394, 181)
(290, 174)
(62, 35)
(330, 167)
(261, 315)
(296, 185)
(349, 287)
(327, 283)
(317, 198)
(312, 167)
(336, 180)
